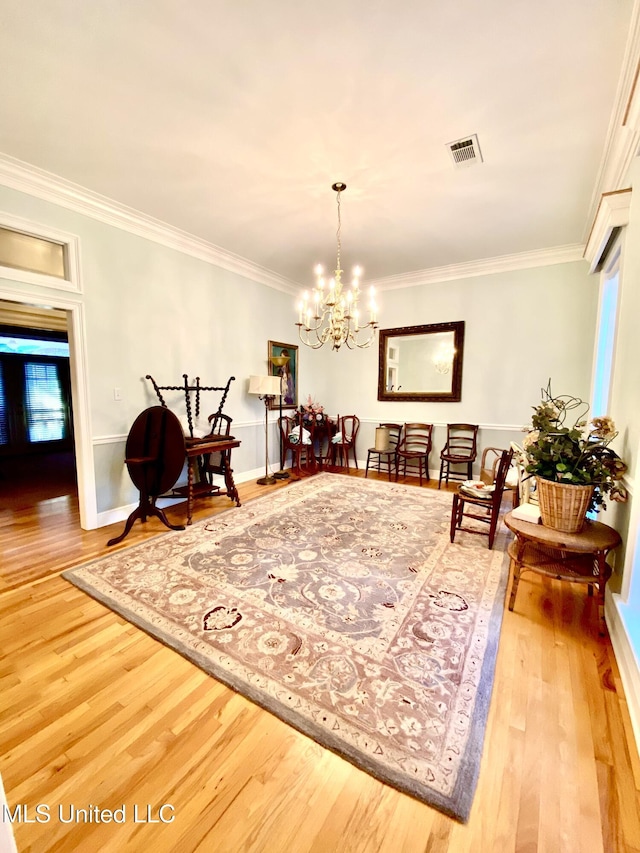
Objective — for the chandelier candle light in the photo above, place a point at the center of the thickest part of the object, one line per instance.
(331, 315)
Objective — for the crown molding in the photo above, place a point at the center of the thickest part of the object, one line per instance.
(487, 266)
(623, 137)
(26, 178)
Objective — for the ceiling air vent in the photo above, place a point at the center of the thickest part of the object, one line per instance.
(465, 152)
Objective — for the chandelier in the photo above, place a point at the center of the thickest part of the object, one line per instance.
(331, 314)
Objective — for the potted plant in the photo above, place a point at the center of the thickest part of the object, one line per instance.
(574, 465)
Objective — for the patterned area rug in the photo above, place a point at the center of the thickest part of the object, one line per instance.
(340, 605)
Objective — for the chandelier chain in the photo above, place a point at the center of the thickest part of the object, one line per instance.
(338, 231)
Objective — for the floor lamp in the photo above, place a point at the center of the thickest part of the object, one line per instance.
(280, 361)
(267, 388)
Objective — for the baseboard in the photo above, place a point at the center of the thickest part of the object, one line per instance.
(626, 656)
(122, 513)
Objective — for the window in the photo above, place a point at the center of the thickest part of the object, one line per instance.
(4, 424)
(22, 251)
(35, 392)
(606, 334)
(37, 254)
(44, 403)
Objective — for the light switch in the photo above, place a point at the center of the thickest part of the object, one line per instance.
(117, 394)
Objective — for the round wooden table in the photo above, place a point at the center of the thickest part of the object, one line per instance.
(575, 557)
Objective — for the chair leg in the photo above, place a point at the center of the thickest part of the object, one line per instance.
(493, 526)
(366, 471)
(440, 477)
(454, 517)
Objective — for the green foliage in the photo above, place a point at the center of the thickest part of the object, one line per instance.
(578, 454)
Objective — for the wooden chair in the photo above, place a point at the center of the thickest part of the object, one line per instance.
(295, 446)
(414, 449)
(486, 509)
(461, 449)
(385, 456)
(489, 463)
(348, 427)
(212, 463)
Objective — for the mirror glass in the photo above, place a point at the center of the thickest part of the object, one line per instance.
(421, 362)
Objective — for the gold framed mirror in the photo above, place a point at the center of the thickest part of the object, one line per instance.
(421, 363)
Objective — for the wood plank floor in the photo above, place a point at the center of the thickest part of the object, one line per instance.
(96, 713)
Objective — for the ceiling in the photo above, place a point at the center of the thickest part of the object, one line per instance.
(230, 120)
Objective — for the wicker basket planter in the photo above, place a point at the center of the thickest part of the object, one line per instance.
(563, 506)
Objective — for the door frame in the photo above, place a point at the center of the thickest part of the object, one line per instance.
(78, 364)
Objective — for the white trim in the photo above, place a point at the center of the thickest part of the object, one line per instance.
(45, 232)
(626, 658)
(121, 513)
(28, 179)
(486, 266)
(632, 112)
(621, 144)
(613, 212)
(79, 390)
(497, 427)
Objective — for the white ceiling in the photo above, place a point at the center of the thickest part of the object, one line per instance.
(230, 119)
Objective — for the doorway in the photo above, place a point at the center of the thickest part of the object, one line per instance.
(70, 317)
(37, 454)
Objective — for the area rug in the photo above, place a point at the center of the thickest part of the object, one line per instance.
(338, 604)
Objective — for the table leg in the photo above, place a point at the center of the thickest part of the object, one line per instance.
(604, 573)
(514, 582)
(189, 489)
(516, 564)
(232, 491)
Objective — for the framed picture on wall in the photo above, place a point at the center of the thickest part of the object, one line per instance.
(288, 372)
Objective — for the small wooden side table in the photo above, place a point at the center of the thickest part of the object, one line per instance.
(576, 557)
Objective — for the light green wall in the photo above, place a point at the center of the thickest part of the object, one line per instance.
(150, 309)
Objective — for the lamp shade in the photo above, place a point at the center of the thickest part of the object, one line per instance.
(265, 386)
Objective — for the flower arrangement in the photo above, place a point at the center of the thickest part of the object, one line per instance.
(577, 454)
(312, 411)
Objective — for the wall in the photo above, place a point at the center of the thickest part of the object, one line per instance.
(152, 309)
(522, 328)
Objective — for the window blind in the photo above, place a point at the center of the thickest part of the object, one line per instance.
(4, 416)
(44, 402)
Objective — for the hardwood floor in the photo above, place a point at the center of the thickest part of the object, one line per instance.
(95, 713)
